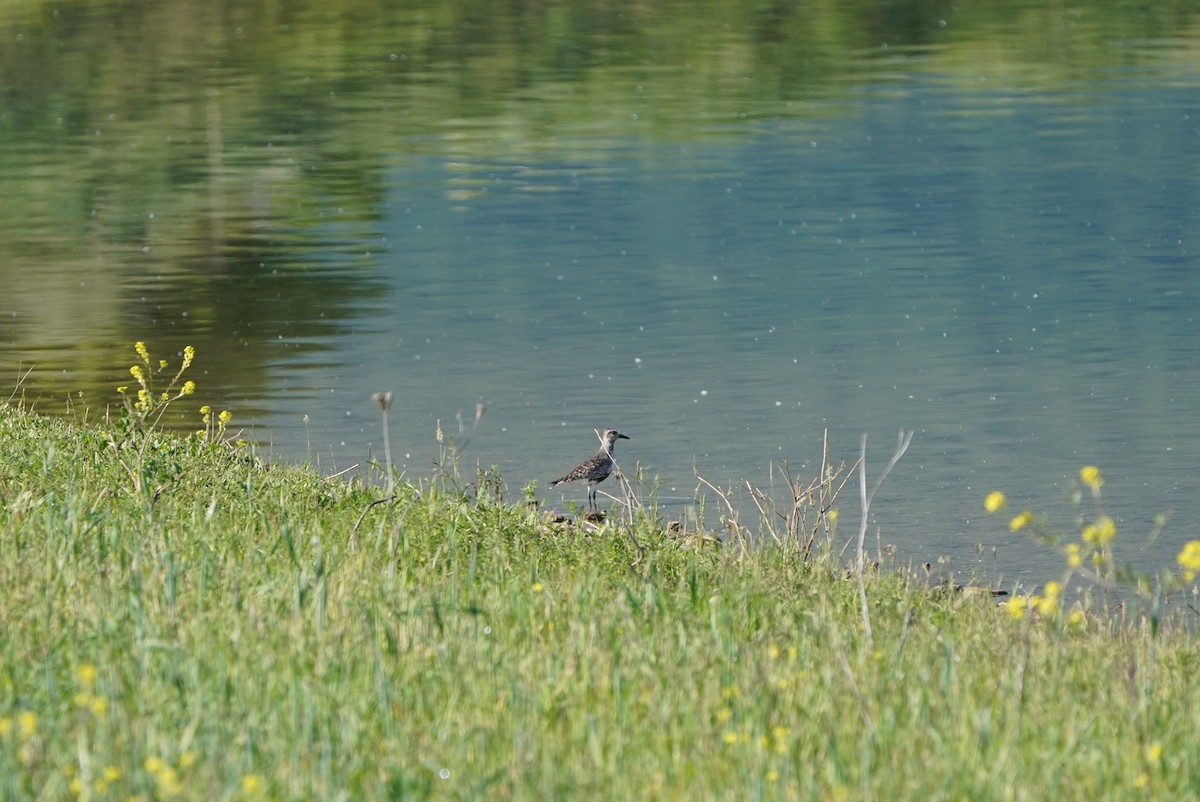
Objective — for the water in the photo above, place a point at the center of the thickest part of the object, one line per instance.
(724, 251)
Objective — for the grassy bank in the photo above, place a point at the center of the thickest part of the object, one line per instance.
(182, 622)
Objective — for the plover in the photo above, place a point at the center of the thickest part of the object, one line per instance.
(595, 470)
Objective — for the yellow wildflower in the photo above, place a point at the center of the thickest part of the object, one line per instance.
(122, 389)
(142, 353)
(1074, 557)
(832, 515)
(162, 364)
(27, 724)
(537, 587)
(1016, 606)
(1020, 521)
(137, 373)
(994, 501)
(251, 783)
(1048, 604)
(1101, 532)
(86, 675)
(189, 353)
(1189, 559)
(189, 387)
(1090, 475)
(1154, 753)
(225, 416)
(780, 736)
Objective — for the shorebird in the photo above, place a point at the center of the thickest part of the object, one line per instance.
(595, 470)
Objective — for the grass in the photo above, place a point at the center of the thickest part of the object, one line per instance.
(197, 625)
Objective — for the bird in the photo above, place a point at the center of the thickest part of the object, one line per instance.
(595, 470)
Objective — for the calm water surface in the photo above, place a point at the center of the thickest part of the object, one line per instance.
(980, 234)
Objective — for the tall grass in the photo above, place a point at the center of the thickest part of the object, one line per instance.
(213, 631)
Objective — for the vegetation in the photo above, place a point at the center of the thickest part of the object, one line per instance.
(183, 621)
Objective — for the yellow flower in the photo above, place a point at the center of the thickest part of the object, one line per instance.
(537, 587)
(162, 364)
(780, 735)
(1154, 753)
(1016, 606)
(1189, 559)
(994, 501)
(27, 724)
(122, 389)
(225, 416)
(251, 783)
(189, 387)
(98, 705)
(189, 353)
(1020, 521)
(112, 774)
(1101, 532)
(832, 515)
(86, 675)
(140, 347)
(136, 372)
(1090, 475)
(1074, 558)
(1075, 619)
(1046, 605)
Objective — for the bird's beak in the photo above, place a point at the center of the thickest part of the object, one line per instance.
(622, 437)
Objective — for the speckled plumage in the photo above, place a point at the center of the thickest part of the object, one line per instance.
(595, 470)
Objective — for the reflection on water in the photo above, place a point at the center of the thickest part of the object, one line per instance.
(722, 232)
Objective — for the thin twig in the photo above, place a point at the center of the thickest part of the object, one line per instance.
(866, 499)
